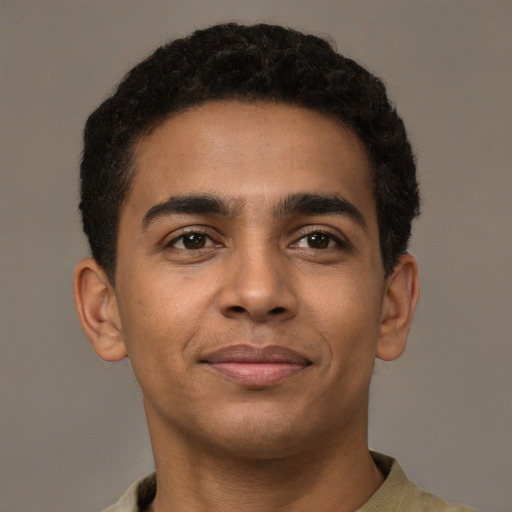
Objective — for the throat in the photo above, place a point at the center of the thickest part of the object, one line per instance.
(267, 485)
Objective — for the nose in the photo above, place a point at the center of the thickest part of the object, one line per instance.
(258, 285)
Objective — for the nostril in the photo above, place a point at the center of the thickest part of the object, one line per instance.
(277, 311)
(237, 309)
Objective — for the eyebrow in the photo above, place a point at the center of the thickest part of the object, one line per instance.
(319, 204)
(186, 205)
(295, 204)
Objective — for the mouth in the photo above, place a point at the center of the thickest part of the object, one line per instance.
(256, 366)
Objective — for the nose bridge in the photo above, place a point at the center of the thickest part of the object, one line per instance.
(258, 283)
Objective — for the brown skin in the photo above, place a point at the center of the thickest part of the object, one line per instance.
(258, 279)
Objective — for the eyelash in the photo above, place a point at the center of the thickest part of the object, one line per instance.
(181, 237)
(340, 243)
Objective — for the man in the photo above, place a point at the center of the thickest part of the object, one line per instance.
(248, 195)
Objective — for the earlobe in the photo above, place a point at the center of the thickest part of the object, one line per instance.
(97, 309)
(400, 299)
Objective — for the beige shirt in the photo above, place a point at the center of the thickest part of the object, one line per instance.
(396, 494)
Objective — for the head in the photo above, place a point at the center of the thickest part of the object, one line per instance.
(249, 64)
(248, 195)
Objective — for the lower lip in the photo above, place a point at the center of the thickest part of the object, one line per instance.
(257, 374)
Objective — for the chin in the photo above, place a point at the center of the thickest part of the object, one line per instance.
(262, 435)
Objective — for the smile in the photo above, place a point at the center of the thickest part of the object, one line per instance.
(256, 366)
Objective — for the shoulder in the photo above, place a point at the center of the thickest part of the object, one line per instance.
(415, 498)
(399, 494)
(137, 497)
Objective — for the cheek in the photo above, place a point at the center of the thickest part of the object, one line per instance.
(161, 313)
(164, 318)
(349, 316)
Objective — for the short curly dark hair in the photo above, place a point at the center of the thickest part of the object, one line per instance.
(248, 63)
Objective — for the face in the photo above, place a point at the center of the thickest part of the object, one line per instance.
(249, 282)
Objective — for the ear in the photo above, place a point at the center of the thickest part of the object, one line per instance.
(400, 299)
(97, 309)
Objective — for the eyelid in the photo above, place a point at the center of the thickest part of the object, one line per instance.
(179, 234)
(216, 238)
(339, 238)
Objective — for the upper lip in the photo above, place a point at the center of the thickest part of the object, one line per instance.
(252, 354)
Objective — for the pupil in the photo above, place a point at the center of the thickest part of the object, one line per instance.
(318, 241)
(194, 241)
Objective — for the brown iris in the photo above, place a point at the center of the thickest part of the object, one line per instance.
(194, 241)
(318, 241)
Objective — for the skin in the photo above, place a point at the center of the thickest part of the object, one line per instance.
(309, 281)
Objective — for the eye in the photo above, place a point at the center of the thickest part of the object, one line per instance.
(318, 240)
(191, 241)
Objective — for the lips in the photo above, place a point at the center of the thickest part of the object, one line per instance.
(256, 366)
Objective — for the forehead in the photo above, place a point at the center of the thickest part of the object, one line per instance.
(251, 152)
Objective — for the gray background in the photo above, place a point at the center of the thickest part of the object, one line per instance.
(73, 435)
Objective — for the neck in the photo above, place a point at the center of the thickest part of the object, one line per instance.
(339, 476)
